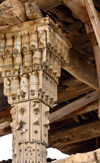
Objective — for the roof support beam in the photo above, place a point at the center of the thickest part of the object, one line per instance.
(72, 107)
(5, 129)
(78, 8)
(79, 68)
(73, 135)
(93, 18)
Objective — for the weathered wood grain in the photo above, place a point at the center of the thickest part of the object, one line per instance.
(32, 11)
(79, 68)
(5, 115)
(12, 12)
(78, 8)
(57, 115)
(81, 147)
(71, 88)
(5, 129)
(75, 135)
(93, 18)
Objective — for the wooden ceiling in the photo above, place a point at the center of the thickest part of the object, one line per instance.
(74, 119)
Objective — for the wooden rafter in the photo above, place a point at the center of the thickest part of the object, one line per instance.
(75, 135)
(84, 72)
(72, 107)
(93, 18)
(78, 8)
(5, 128)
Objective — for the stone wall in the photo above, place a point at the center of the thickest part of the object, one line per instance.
(90, 157)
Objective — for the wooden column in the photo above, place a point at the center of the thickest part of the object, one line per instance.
(97, 59)
(31, 59)
(93, 31)
(93, 18)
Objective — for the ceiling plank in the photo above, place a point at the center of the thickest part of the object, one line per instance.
(79, 68)
(78, 8)
(5, 115)
(57, 115)
(75, 135)
(5, 129)
(81, 147)
(71, 88)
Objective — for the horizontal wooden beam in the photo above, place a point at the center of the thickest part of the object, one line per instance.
(72, 107)
(45, 5)
(28, 24)
(78, 8)
(75, 135)
(3, 99)
(80, 147)
(5, 129)
(93, 106)
(12, 12)
(79, 68)
(71, 88)
(5, 115)
(88, 108)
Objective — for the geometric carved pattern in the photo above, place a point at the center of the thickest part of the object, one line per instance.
(30, 60)
(32, 152)
(30, 124)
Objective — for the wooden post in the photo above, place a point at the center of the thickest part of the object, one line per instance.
(96, 49)
(93, 18)
(97, 59)
(31, 67)
(93, 30)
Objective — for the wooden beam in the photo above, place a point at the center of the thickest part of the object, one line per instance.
(46, 5)
(28, 24)
(3, 99)
(80, 147)
(77, 134)
(78, 8)
(93, 106)
(80, 69)
(91, 34)
(5, 129)
(57, 115)
(71, 88)
(93, 18)
(32, 11)
(97, 59)
(88, 108)
(63, 16)
(12, 12)
(68, 119)
(5, 115)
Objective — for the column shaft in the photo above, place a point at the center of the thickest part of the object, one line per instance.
(31, 61)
